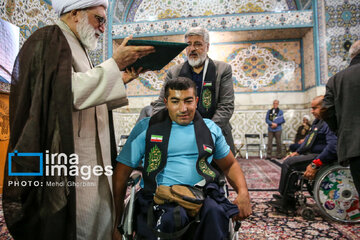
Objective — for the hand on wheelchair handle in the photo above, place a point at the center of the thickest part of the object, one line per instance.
(243, 203)
(116, 235)
(310, 172)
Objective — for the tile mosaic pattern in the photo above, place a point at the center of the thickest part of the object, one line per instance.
(342, 24)
(29, 15)
(215, 23)
(150, 10)
(303, 3)
(322, 42)
(309, 61)
(241, 121)
(261, 66)
(119, 10)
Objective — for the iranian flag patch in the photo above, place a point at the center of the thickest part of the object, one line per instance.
(208, 149)
(156, 138)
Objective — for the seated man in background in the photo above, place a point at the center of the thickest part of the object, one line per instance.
(178, 147)
(318, 148)
(301, 133)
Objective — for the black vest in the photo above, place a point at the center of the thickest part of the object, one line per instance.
(314, 130)
(157, 140)
(272, 114)
(207, 99)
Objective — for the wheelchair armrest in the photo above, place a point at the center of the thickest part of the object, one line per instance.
(134, 179)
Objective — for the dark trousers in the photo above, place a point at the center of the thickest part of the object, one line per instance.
(214, 222)
(288, 179)
(355, 172)
(293, 147)
(277, 136)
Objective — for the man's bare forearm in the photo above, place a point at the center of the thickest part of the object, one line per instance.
(120, 177)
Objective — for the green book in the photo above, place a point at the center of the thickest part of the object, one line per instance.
(164, 53)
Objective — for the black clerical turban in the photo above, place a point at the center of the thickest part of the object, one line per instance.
(64, 6)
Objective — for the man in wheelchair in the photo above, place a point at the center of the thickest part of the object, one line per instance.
(176, 147)
(318, 148)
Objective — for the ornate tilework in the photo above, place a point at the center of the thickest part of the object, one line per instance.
(303, 3)
(322, 18)
(150, 10)
(342, 25)
(242, 122)
(256, 67)
(119, 11)
(5, 87)
(292, 5)
(272, 66)
(309, 61)
(215, 23)
(28, 15)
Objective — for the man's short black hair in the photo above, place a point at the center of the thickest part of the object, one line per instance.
(180, 83)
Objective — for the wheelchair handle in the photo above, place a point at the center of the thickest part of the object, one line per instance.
(134, 179)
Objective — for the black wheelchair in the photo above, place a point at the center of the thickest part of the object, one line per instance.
(334, 193)
(126, 226)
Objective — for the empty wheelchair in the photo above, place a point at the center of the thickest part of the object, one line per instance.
(127, 223)
(334, 193)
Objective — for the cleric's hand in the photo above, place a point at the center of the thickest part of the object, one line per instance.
(129, 75)
(127, 55)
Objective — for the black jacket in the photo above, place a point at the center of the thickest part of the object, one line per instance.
(342, 102)
(324, 143)
(40, 120)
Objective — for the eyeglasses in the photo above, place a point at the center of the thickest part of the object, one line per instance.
(196, 45)
(101, 20)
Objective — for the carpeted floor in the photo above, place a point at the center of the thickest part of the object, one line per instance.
(262, 178)
(265, 223)
(260, 174)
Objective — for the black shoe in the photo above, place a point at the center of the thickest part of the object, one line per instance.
(284, 205)
(277, 196)
(268, 158)
(277, 204)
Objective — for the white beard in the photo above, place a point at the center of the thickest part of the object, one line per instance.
(197, 62)
(87, 33)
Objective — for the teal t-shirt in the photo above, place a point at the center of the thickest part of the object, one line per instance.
(182, 151)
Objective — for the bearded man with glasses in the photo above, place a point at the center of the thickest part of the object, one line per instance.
(213, 80)
(59, 104)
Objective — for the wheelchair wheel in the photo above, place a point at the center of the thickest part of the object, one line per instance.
(306, 213)
(336, 195)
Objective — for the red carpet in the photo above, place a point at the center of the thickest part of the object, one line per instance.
(260, 174)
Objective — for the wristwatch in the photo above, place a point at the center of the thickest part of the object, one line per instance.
(313, 166)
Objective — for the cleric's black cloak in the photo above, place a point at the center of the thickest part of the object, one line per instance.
(40, 120)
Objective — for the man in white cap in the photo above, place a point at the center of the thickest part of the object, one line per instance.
(59, 107)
